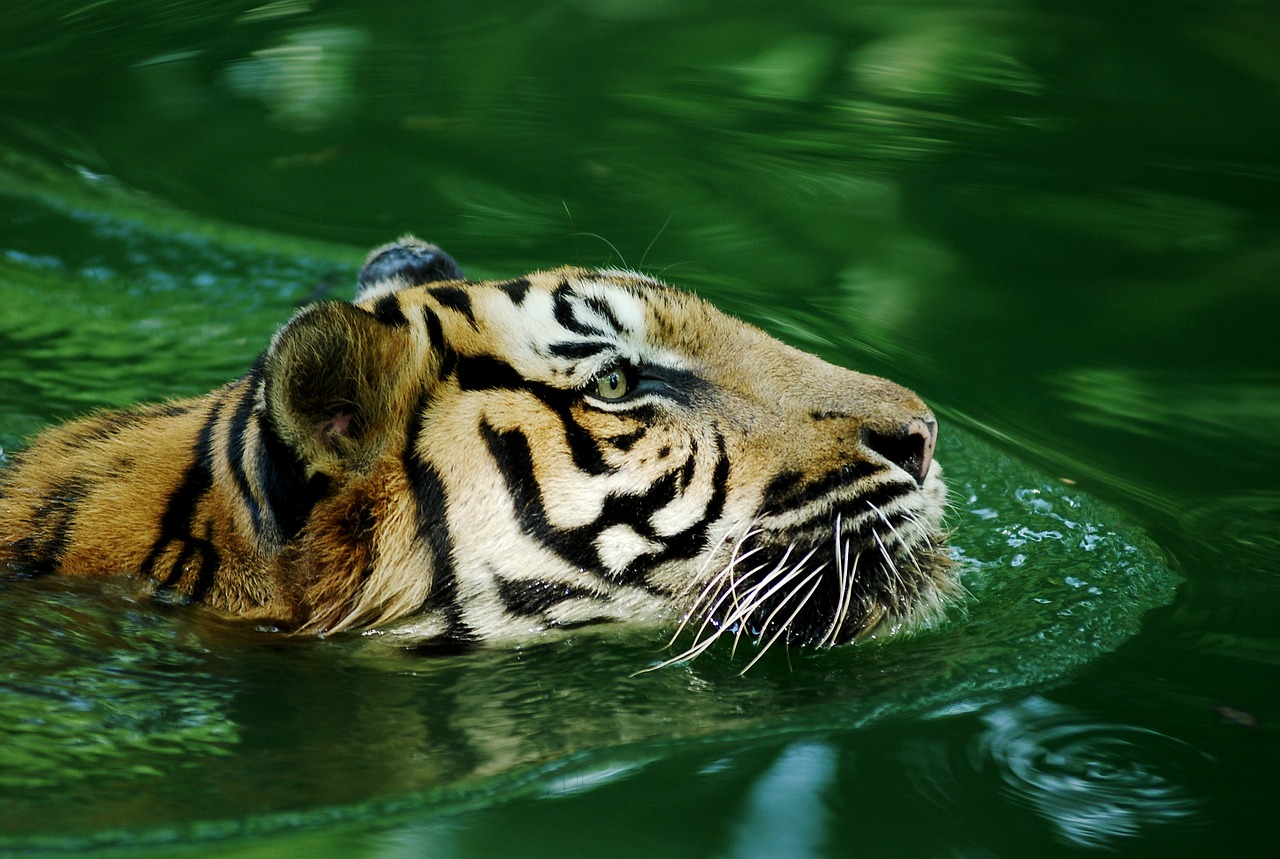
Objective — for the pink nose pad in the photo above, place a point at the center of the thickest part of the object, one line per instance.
(927, 432)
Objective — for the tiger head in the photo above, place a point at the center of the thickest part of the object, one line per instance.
(578, 447)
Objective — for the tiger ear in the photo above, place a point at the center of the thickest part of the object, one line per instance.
(330, 378)
(408, 261)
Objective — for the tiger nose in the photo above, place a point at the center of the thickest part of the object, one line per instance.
(910, 447)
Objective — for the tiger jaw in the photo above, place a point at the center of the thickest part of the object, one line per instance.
(468, 462)
(863, 570)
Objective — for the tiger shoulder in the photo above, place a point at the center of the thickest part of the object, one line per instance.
(465, 462)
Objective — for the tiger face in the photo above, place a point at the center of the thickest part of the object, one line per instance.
(459, 462)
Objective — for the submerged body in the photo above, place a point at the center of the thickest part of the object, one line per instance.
(474, 462)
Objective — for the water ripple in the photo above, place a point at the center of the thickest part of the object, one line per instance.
(1094, 782)
(1241, 527)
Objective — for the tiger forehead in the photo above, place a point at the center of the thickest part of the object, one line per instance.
(570, 318)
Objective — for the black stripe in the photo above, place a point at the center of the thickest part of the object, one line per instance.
(510, 450)
(208, 564)
(435, 337)
(686, 473)
(486, 373)
(282, 475)
(109, 425)
(517, 290)
(789, 490)
(512, 453)
(564, 313)
(435, 331)
(102, 427)
(695, 539)
(60, 508)
(455, 298)
(387, 310)
(854, 508)
(534, 597)
(53, 518)
(166, 410)
(603, 308)
(580, 349)
(433, 530)
(636, 510)
(583, 446)
(882, 495)
(785, 483)
(626, 441)
(28, 559)
(178, 518)
(237, 441)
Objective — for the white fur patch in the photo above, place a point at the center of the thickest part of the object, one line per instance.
(619, 545)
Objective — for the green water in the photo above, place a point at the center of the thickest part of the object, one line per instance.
(1058, 221)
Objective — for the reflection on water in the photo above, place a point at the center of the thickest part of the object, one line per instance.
(785, 814)
(1239, 413)
(307, 80)
(1097, 783)
(96, 687)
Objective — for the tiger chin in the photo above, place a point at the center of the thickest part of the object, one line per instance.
(461, 462)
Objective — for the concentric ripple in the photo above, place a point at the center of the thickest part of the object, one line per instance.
(1096, 783)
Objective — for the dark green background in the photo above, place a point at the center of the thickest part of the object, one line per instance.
(1058, 221)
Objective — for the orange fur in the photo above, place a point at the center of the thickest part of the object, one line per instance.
(441, 450)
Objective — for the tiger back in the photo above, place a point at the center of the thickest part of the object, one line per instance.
(463, 462)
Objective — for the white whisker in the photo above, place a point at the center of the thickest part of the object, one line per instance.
(785, 626)
(842, 581)
(711, 587)
(710, 616)
(783, 602)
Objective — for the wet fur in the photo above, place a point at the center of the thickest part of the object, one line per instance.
(434, 459)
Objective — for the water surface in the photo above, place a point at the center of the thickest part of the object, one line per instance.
(1059, 222)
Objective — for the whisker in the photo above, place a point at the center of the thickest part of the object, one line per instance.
(784, 628)
(901, 542)
(710, 616)
(842, 582)
(735, 558)
(711, 586)
(885, 563)
(654, 241)
(747, 534)
(611, 245)
(844, 615)
(892, 566)
(749, 609)
(783, 602)
(753, 598)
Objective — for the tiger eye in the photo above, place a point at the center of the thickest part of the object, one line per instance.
(612, 386)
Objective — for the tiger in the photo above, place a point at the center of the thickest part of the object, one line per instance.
(462, 462)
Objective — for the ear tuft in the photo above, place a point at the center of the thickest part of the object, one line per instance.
(404, 263)
(330, 379)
